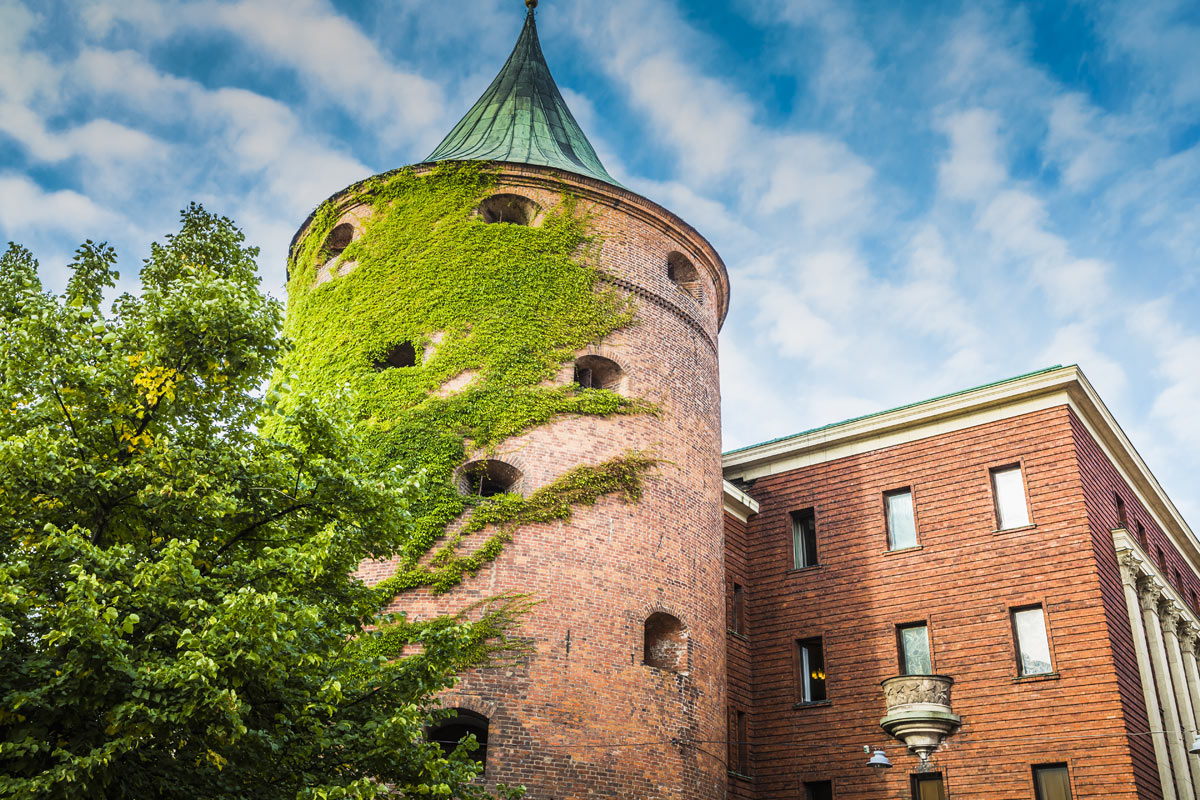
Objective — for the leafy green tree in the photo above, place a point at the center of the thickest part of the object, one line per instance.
(178, 614)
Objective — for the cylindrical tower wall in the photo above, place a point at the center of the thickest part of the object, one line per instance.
(584, 715)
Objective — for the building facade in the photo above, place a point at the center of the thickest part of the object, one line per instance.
(995, 573)
(989, 592)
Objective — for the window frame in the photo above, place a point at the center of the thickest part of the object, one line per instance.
(1065, 765)
(802, 676)
(1018, 661)
(900, 655)
(911, 491)
(738, 618)
(917, 778)
(742, 745)
(795, 518)
(808, 786)
(997, 518)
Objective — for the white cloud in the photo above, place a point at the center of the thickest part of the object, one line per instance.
(974, 169)
(25, 207)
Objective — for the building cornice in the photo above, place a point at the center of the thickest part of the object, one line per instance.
(1064, 386)
(738, 503)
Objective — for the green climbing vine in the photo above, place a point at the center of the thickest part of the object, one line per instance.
(502, 305)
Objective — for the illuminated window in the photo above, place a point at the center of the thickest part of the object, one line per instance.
(810, 665)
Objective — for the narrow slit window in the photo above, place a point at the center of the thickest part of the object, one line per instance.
(1033, 646)
(1052, 782)
(1008, 486)
(743, 744)
(913, 641)
(901, 519)
(810, 663)
(1122, 515)
(804, 538)
(1141, 534)
(739, 609)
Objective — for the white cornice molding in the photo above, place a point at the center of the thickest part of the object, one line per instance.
(1066, 386)
(738, 503)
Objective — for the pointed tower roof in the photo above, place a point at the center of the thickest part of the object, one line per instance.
(523, 118)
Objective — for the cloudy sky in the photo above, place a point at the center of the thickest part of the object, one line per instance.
(912, 197)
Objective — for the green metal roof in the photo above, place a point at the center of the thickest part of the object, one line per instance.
(897, 408)
(523, 118)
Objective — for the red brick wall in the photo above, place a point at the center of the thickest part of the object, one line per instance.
(583, 717)
(1100, 482)
(738, 661)
(962, 582)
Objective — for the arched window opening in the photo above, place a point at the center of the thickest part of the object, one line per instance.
(665, 644)
(683, 273)
(399, 355)
(449, 732)
(488, 477)
(597, 372)
(339, 239)
(511, 208)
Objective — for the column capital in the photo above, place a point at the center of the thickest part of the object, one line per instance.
(1188, 633)
(1170, 613)
(1131, 567)
(1148, 592)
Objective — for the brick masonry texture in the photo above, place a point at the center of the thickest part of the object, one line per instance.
(962, 581)
(583, 717)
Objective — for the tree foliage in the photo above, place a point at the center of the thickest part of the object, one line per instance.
(178, 615)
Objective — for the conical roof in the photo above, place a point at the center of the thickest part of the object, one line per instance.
(523, 118)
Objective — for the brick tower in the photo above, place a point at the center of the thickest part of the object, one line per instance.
(622, 693)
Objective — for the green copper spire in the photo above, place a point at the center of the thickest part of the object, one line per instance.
(523, 118)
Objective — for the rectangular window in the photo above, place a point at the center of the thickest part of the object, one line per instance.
(804, 538)
(1162, 559)
(1052, 782)
(914, 649)
(1141, 535)
(928, 786)
(743, 745)
(739, 609)
(1122, 517)
(810, 665)
(901, 522)
(1008, 487)
(1033, 648)
(818, 790)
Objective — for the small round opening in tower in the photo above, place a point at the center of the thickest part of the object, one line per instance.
(511, 208)
(597, 372)
(398, 355)
(683, 274)
(665, 643)
(449, 732)
(488, 477)
(339, 239)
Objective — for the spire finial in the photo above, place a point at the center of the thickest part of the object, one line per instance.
(531, 4)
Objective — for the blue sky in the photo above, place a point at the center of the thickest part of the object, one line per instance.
(912, 197)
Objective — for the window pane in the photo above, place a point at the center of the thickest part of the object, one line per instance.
(818, 790)
(1053, 782)
(1034, 648)
(928, 787)
(804, 538)
(812, 671)
(914, 650)
(1010, 498)
(902, 527)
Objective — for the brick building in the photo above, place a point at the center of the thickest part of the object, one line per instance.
(1008, 538)
(993, 578)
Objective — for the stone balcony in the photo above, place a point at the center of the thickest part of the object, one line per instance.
(918, 711)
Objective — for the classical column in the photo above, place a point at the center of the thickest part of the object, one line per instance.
(1188, 635)
(1150, 593)
(1130, 572)
(1171, 614)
